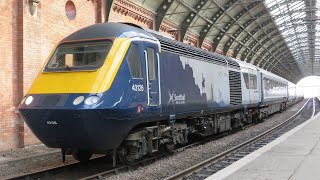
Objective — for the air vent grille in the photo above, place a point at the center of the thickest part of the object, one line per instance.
(235, 88)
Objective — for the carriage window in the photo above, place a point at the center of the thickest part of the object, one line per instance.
(246, 79)
(253, 81)
(134, 63)
(272, 84)
(82, 56)
(151, 64)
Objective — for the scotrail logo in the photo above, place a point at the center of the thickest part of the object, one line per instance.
(176, 98)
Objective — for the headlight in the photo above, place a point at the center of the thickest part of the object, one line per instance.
(78, 100)
(29, 100)
(91, 100)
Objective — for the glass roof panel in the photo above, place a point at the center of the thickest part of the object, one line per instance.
(293, 20)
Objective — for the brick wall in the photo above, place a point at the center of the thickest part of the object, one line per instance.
(25, 43)
(43, 30)
(9, 120)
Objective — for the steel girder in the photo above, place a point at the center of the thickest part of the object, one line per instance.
(311, 14)
(161, 12)
(281, 4)
(297, 18)
(264, 47)
(185, 25)
(265, 41)
(253, 53)
(247, 50)
(261, 45)
(215, 18)
(108, 4)
(234, 20)
(297, 11)
(238, 48)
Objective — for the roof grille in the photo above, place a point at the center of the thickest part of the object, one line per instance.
(232, 64)
(189, 51)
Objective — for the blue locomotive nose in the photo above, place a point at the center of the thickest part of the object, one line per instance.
(77, 129)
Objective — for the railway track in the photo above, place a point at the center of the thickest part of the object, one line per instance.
(226, 158)
(149, 160)
(105, 166)
(59, 170)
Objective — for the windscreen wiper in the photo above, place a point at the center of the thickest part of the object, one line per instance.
(68, 67)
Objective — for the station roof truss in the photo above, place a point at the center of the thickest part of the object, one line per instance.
(280, 36)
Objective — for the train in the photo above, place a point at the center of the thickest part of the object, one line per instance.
(119, 89)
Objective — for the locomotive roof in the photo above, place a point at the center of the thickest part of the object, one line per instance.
(232, 63)
(180, 48)
(108, 30)
(246, 65)
(112, 30)
(273, 76)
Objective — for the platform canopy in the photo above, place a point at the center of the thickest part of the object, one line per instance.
(277, 35)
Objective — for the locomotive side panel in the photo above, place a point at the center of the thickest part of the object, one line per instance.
(251, 83)
(190, 85)
(274, 90)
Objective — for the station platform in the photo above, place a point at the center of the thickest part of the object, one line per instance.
(295, 156)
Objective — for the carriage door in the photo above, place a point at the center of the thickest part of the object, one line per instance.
(152, 73)
(254, 93)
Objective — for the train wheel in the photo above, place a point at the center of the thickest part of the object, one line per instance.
(126, 158)
(169, 147)
(82, 155)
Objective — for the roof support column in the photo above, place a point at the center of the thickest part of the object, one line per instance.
(161, 12)
(108, 5)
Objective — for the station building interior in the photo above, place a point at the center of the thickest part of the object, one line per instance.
(279, 36)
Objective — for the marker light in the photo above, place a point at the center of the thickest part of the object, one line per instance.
(29, 100)
(91, 100)
(78, 100)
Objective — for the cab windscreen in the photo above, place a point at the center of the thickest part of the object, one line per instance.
(75, 57)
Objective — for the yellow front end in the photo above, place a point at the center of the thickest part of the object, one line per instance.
(95, 81)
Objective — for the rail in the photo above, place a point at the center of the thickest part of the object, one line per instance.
(222, 155)
(314, 107)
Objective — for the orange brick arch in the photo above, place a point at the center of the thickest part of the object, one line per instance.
(126, 11)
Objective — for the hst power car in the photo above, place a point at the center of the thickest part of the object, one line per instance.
(117, 88)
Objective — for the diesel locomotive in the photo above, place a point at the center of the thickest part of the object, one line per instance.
(120, 89)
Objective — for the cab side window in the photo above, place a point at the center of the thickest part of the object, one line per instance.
(151, 63)
(246, 79)
(253, 81)
(134, 63)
